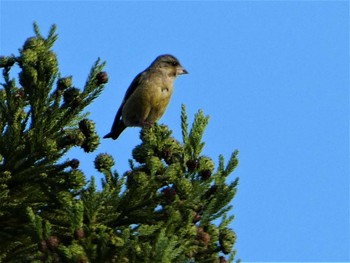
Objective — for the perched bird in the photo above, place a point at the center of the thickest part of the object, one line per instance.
(148, 95)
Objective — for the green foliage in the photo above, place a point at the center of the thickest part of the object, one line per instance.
(172, 204)
(37, 128)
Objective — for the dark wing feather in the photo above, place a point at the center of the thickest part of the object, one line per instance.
(133, 86)
(118, 125)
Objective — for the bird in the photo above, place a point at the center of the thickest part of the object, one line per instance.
(148, 95)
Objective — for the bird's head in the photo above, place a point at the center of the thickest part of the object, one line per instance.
(169, 65)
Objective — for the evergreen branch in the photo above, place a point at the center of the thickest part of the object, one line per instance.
(92, 88)
(70, 111)
(184, 124)
(196, 133)
(162, 210)
(226, 221)
(52, 37)
(232, 164)
(221, 166)
(219, 213)
(37, 30)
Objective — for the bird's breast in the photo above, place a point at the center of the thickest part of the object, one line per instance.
(159, 99)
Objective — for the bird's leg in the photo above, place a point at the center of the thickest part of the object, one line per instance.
(147, 124)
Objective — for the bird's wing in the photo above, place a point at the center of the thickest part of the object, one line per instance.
(118, 125)
(133, 86)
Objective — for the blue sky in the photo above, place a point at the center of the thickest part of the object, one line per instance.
(272, 75)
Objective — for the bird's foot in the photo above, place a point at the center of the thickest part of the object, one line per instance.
(147, 124)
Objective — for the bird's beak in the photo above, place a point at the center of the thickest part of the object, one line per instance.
(181, 71)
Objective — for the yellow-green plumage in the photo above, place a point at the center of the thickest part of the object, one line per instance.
(148, 95)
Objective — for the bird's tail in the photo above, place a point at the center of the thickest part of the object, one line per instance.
(116, 130)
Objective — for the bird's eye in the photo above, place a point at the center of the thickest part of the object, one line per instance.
(174, 63)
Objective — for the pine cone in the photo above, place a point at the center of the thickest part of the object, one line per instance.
(20, 94)
(192, 165)
(203, 237)
(169, 194)
(222, 259)
(205, 174)
(102, 78)
(79, 234)
(196, 217)
(74, 163)
(52, 242)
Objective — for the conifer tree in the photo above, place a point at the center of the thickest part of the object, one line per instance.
(172, 205)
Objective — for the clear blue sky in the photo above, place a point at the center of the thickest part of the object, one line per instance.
(273, 76)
